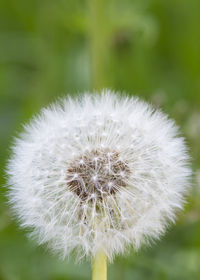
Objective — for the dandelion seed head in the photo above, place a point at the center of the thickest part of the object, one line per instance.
(99, 172)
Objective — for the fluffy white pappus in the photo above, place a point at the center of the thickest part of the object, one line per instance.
(98, 173)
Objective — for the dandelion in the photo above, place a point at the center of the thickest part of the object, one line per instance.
(98, 174)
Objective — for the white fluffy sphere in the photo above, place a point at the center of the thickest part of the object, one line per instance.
(100, 172)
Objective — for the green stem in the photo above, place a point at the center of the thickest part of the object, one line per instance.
(98, 43)
(99, 267)
(98, 56)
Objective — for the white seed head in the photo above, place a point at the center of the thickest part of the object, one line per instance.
(100, 172)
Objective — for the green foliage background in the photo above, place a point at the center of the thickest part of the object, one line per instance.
(146, 47)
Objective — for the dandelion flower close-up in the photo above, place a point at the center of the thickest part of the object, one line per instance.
(98, 173)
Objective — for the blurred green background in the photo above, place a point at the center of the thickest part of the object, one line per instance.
(150, 48)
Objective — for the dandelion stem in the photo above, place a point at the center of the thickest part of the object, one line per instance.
(99, 267)
(98, 43)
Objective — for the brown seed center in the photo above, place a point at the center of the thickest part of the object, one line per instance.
(97, 173)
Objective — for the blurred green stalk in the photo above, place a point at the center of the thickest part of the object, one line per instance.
(98, 75)
(98, 43)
